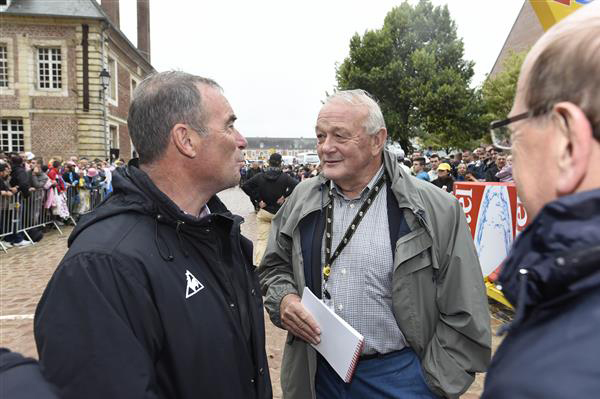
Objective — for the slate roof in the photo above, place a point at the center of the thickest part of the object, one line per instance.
(63, 8)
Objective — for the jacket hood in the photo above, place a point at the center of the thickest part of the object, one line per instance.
(557, 256)
(134, 191)
(272, 173)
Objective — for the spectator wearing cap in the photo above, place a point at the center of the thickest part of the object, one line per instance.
(268, 191)
(92, 179)
(444, 177)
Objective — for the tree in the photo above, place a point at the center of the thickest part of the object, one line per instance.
(414, 67)
(498, 92)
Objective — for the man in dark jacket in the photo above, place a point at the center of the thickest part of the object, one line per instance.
(157, 296)
(268, 191)
(552, 274)
(20, 180)
(20, 378)
(444, 180)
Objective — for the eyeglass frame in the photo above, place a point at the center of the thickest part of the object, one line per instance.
(506, 122)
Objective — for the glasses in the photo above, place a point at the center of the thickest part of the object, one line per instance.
(501, 134)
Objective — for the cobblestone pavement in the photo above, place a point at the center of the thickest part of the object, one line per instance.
(24, 273)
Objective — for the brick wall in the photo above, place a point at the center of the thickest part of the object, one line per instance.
(523, 35)
(124, 93)
(53, 135)
(124, 143)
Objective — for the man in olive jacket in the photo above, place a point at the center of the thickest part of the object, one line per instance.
(436, 296)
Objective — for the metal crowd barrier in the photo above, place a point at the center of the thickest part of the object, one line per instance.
(18, 213)
(7, 205)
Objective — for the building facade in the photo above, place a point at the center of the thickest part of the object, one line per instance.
(263, 147)
(52, 98)
(535, 17)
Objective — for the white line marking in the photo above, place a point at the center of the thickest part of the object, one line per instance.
(17, 317)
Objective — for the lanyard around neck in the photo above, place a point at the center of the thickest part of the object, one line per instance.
(329, 257)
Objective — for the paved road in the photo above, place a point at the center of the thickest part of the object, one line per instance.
(24, 273)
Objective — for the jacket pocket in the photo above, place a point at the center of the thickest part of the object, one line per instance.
(412, 252)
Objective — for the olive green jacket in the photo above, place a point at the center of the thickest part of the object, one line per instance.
(438, 296)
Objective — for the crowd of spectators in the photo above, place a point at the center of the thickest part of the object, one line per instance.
(482, 164)
(299, 172)
(35, 193)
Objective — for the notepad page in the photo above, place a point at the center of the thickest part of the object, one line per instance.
(340, 343)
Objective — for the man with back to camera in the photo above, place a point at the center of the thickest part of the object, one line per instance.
(407, 278)
(157, 296)
(552, 274)
(268, 191)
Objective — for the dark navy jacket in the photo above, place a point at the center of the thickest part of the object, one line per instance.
(552, 350)
(152, 303)
(20, 378)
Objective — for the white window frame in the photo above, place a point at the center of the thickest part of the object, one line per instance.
(9, 90)
(53, 65)
(13, 128)
(4, 80)
(111, 142)
(131, 88)
(113, 95)
(32, 66)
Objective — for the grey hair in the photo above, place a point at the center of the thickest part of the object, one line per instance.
(159, 102)
(374, 120)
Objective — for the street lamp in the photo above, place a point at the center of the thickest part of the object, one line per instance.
(105, 82)
(104, 78)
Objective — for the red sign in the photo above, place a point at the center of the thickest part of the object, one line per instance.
(495, 216)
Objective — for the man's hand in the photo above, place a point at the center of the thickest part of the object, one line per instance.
(297, 320)
(31, 188)
(281, 200)
(262, 204)
(14, 189)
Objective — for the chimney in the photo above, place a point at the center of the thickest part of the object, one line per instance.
(111, 8)
(143, 27)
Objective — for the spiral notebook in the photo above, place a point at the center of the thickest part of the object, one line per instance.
(341, 345)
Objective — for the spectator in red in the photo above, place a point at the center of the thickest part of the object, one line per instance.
(56, 177)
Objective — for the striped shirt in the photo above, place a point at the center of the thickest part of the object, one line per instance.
(360, 282)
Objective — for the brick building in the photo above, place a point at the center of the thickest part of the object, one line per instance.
(535, 17)
(263, 147)
(52, 99)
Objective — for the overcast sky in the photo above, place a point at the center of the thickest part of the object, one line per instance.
(275, 59)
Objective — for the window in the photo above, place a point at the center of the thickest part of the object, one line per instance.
(114, 137)
(49, 68)
(11, 135)
(133, 86)
(3, 65)
(112, 87)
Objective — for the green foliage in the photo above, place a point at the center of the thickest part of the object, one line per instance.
(414, 66)
(498, 92)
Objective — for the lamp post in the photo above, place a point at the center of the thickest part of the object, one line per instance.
(104, 79)
(105, 82)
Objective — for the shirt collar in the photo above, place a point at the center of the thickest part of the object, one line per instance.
(337, 191)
